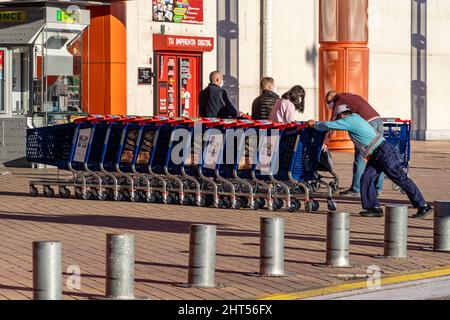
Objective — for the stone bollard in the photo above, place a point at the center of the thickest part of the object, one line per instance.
(396, 232)
(120, 267)
(47, 272)
(442, 226)
(338, 239)
(271, 263)
(202, 256)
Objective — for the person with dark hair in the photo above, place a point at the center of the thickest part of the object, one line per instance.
(284, 109)
(263, 105)
(382, 158)
(214, 101)
(360, 106)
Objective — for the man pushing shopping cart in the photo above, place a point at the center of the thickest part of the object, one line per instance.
(381, 158)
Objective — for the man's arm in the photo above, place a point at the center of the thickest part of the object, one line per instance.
(230, 109)
(344, 124)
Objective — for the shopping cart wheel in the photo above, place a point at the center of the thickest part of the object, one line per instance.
(48, 192)
(78, 193)
(201, 202)
(170, 199)
(134, 198)
(64, 193)
(118, 197)
(103, 196)
(151, 198)
(125, 194)
(94, 194)
(227, 203)
(33, 191)
(331, 205)
(186, 201)
(278, 203)
(238, 204)
(209, 200)
(244, 202)
(315, 206)
(262, 202)
(297, 204)
(110, 195)
(86, 195)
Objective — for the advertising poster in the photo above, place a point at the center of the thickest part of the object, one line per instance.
(269, 143)
(247, 158)
(178, 11)
(146, 147)
(82, 145)
(129, 146)
(186, 86)
(213, 151)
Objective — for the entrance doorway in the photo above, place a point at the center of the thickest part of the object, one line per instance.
(178, 84)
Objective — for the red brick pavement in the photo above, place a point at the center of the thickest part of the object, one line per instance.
(162, 238)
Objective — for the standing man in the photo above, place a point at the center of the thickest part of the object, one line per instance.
(262, 106)
(214, 101)
(382, 158)
(361, 107)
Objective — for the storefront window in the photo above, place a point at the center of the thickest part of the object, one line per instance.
(2, 82)
(57, 84)
(20, 79)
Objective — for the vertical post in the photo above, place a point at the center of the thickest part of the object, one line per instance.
(442, 226)
(47, 272)
(120, 267)
(396, 232)
(272, 247)
(202, 256)
(338, 239)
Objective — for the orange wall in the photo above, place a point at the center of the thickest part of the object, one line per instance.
(106, 86)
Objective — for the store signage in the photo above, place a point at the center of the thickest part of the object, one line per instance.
(13, 16)
(67, 17)
(178, 11)
(181, 43)
(144, 76)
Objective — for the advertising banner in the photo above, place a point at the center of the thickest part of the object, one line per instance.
(178, 11)
(82, 145)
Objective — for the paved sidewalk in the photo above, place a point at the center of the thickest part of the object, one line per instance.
(162, 238)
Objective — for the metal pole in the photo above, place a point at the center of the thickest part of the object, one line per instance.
(47, 272)
(442, 226)
(396, 232)
(271, 263)
(120, 267)
(338, 239)
(202, 256)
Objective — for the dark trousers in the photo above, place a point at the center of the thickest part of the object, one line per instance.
(385, 161)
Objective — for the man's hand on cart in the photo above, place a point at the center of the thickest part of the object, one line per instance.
(311, 123)
(325, 148)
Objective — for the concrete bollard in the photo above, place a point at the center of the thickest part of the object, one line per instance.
(271, 262)
(338, 239)
(120, 267)
(202, 256)
(47, 272)
(396, 232)
(442, 226)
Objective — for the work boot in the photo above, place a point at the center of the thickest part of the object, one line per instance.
(372, 213)
(423, 212)
(349, 192)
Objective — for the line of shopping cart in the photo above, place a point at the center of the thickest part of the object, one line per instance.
(202, 162)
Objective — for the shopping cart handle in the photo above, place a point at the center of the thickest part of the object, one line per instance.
(89, 118)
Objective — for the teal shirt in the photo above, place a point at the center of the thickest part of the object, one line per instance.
(363, 135)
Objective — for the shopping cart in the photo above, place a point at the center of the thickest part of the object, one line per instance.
(398, 133)
(65, 147)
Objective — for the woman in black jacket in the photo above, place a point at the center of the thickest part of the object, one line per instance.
(262, 106)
